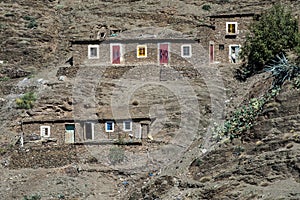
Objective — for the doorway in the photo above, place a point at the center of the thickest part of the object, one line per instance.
(211, 52)
(234, 53)
(69, 133)
(164, 53)
(144, 130)
(89, 130)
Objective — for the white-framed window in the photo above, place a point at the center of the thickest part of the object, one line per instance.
(109, 126)
(115, 53)
(186, 51)
(231, 28)
(141, 51)
(93, 51)
(45, 131)
(127, 125)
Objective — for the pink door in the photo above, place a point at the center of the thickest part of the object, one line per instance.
(163, 53)
(116, 54)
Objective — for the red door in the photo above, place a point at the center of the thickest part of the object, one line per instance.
(163, 53)
(211, 53)
(116, 54)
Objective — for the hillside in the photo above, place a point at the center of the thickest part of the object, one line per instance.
(182, 161)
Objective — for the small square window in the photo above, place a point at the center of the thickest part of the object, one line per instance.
(141, 51)
(109, 126)
(127, 125)
(231, 28)
(45, 131)
(93, 52)
(186, 51)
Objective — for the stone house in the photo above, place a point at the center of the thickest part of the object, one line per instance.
(133, 51)
(228, 33)
(106, 127)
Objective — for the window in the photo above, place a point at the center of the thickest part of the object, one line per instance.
(186, 51)
(109, 126)
(231, 28)
(45, 131)
(127, 125)
(221, 47)
(93, 51)
(141, 51)
(116, 53)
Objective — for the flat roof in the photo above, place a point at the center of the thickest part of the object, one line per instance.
(132, 41)
(233, 15)
(55, 121)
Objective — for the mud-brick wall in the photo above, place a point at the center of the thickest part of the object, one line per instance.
(220, 37)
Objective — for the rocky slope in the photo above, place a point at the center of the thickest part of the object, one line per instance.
(34, 46)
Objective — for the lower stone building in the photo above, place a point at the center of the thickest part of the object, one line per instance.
(105, 128)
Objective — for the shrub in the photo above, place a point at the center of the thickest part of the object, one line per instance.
(116, 155)
(28, 18)
(26, 101)
(32, 23)
(206, 7)
(197, 162)
(33, 197)
(5, 78)
(222, 1)
(275, 32)
(281, 70)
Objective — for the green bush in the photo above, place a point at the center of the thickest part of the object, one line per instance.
(275, 32)
(28, 18)
(5, 78)
(206, 7)
(116, 155)
(223, 1)
(32, 23)
(33, 197)
(26, 101)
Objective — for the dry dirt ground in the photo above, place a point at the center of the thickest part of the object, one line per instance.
(264, 168)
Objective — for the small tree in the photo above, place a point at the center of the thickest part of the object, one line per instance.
(116, 155)
(26, 101)
(276, 32)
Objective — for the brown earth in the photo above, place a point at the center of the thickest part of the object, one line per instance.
(34, 45)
